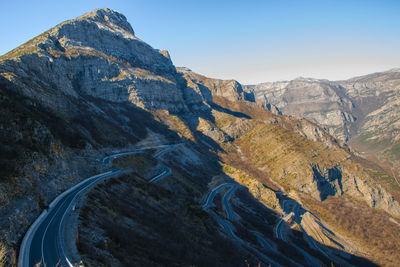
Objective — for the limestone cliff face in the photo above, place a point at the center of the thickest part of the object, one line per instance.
(299, 155)
(66, 97)
(364, 108)
(96, 54)
(320, 101)
(71, 94)
(208, 87)
(377, 97)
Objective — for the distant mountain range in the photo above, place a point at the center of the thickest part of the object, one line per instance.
(364, 110)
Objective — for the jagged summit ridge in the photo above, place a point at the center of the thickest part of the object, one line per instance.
(108, 31)
(103, 30)
(107, 16)
(95, 54)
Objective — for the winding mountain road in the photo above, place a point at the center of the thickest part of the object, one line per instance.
(291, 208)
(161, 176)
(279, 230)
(230, 214)
(263, 242)
(107, 160)
(294, 210)
(43, 242)
(227, 225)
(211, 196)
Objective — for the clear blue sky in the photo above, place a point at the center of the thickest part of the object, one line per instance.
(251, 41)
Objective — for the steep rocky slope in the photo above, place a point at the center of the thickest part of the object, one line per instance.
(96, 54)
(44, 152)
(377, 96)
(53, 128)
(89, 87)
(320, 101)
(298, 157)
(364, 110)
(208, 87)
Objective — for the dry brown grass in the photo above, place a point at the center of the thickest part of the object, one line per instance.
(274, 150)
(142, 163)
(286, 156)
(272, 143)
(255, 187)
(246, 168)
(174, 123)
(369, 228)
(138, 219)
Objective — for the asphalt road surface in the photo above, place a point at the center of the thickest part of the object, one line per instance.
(227, 225)
(46, 246)
(42, 243)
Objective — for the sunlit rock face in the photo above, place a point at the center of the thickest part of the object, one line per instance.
(96, 54)
(320, 101)
(364, 109)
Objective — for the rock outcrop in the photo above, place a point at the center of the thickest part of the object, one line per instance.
(96, 54)
(320, 101)
(208, 87)
(364, 109)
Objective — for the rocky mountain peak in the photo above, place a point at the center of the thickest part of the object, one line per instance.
(95, 54)
(109, 18)
(309, 80)
(394, 70)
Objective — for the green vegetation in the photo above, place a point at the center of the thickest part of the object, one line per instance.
(395, 150)
(3, 253)
(374, 144)
(385, 179)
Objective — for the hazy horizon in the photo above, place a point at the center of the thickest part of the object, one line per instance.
(252, 41)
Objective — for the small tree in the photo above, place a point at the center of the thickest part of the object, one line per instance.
(3, 253)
